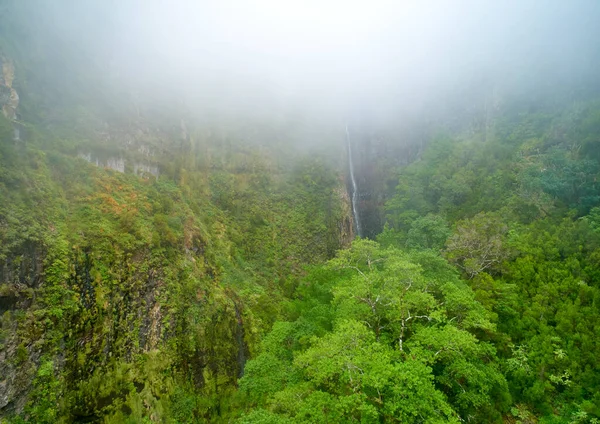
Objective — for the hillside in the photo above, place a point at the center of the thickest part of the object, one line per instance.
(203, 222)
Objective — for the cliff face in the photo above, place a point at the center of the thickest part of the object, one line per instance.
(21, 274)
(9, 99)
(379, 153)
(145, 247)
(141, 263)
(346, 224)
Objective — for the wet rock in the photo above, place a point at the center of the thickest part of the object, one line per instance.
(9, 99)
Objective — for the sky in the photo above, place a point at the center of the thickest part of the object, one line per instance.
(331, 53)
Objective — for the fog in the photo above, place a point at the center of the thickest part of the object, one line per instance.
(330, 55)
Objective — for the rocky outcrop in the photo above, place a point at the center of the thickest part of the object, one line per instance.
(346, 223)
(120, 164)
(9, 99)
(20, 275)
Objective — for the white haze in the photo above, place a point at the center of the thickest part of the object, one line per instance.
(333, 54)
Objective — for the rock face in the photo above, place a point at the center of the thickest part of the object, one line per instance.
(20, 272)
(9, 99)
(20, 275)
(377, 152)
(120, 164)
(346, 224)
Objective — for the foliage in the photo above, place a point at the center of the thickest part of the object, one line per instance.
(523, 209)
(217, 289)
(477, 244)
(144, 297)
(401, 336)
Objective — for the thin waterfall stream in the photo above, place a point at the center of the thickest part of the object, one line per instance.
(354, 188)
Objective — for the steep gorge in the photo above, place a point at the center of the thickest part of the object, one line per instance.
(144, 280)
(179, 212)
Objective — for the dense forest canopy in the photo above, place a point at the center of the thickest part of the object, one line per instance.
(299, 212)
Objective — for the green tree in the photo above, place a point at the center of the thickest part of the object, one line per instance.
(478, 244)
(401, 336)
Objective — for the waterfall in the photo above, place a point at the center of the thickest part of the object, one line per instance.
(354, 189)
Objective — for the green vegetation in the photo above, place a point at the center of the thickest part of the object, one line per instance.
(523, 210)
(479, 303)
(141, 296)
(132, 298)
(389, 338)
(163, 264)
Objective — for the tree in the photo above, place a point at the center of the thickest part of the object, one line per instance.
(478, 244)
(401, 349)
(428, 232)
